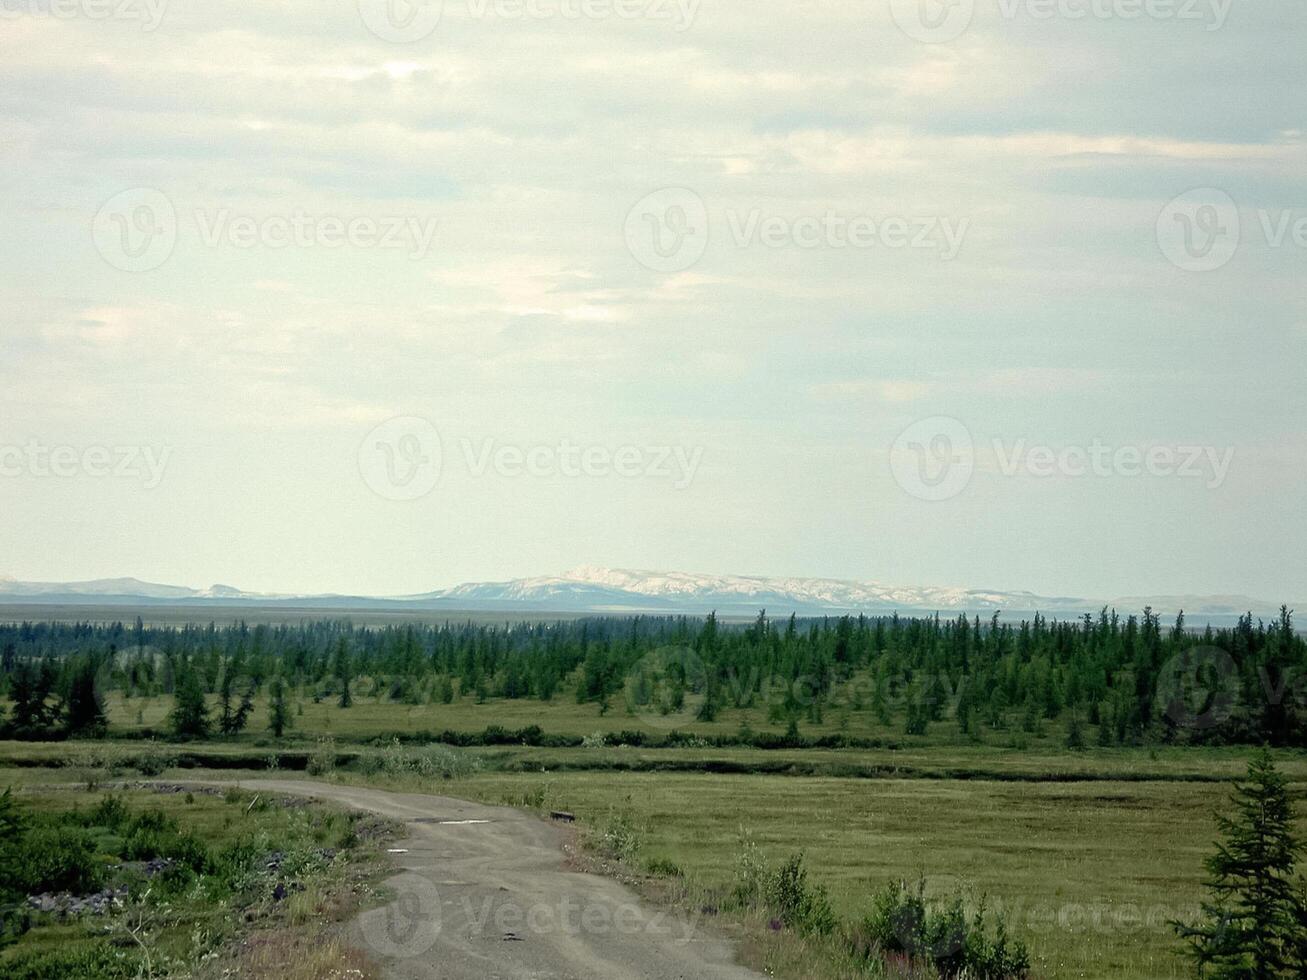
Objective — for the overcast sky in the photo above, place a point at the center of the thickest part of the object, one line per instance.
(336, 296)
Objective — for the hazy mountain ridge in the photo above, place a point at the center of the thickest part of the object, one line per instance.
(597, 589)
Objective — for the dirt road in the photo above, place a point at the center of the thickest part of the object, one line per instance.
(483, 894)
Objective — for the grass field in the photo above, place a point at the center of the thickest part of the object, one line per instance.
(1088, 867)
(372, 717)
(1090, 874)
(184, 919)
(1090, 854)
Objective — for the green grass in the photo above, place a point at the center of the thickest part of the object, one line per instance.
(374, 714)
(1090, 854)
(176, 920)
(1090, 874)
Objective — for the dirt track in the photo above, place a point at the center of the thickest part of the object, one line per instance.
(482, 894)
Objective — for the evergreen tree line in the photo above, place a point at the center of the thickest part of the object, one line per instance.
(1129, 677)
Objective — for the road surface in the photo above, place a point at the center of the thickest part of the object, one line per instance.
(482, 893)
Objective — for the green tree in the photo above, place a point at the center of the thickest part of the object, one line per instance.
(344, 673)
(1252, 927)
(83, 709)
(190, 712)
(278, 710)
(30, 689)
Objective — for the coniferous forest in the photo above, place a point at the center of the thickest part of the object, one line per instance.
(1110, 680)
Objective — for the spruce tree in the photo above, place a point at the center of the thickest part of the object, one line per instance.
(1253, 924)
(343, 673)
(278, 710)
(190, 713)
(83, 709)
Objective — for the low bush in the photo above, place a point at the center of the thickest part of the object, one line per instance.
(784, 892)
(428, 762)
(54, 859)
(798, 903)
(97, 962)
(904, 923)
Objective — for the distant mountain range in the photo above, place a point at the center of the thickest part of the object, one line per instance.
(606, 590)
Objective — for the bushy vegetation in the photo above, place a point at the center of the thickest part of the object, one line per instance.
(426, 762)
(1110, 680)
(903, 923)
(1255, 923)
(158, 886)
(902, 926)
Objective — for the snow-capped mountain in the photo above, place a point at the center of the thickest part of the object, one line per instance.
(109, 588)
(611, 590)
(591, 588)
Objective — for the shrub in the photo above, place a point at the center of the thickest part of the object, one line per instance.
(800, 904)
(322, 760)
(85, 963)
(58, 859)
(904, 923)
(620, 837)
(751, 873)
(111, 812)
(664, 868)
(152, 760)
(430, 762)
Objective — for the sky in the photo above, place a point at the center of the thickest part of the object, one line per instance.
(366, 297)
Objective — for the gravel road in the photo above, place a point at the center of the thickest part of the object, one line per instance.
(482, 893)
